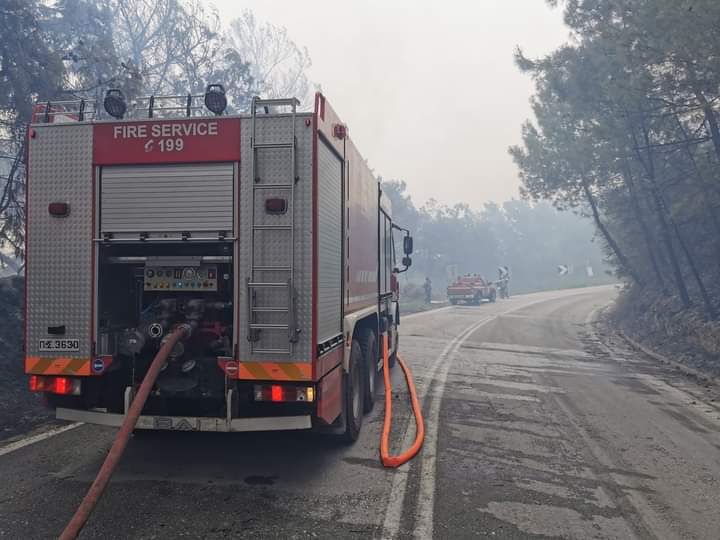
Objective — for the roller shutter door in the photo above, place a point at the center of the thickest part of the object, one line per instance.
(171, 199)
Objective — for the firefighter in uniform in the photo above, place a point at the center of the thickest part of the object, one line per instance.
(504, 281)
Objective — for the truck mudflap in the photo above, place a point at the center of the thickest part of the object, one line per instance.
(189, 423)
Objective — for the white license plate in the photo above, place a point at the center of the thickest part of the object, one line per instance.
(59, 345)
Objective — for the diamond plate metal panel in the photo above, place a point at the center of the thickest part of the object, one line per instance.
(329, 303)
(59, 250)
(273, 166)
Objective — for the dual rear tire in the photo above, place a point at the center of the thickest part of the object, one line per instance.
(360, 385)
(354, 395)
(369, 347)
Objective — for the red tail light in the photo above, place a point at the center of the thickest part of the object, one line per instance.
(278, 393)
(35, 383)
(65, 386)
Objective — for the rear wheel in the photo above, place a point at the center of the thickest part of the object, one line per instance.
(453, 301)
(353, 394)
(493, 296)
(368, 345)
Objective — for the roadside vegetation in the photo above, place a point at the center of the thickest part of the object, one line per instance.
(20, 410)
(626, 130)
(532, 238)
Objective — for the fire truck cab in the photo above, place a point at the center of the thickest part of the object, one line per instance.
(265, 233)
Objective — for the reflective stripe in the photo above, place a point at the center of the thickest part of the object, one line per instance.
(38, 365)
(275, 371)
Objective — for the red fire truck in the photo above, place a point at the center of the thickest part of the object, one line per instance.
(265, 234)
(471, 289)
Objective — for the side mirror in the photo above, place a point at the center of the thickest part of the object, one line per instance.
(407, 262)
(407, 246)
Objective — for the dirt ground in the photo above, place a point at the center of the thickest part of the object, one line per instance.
(684, 336)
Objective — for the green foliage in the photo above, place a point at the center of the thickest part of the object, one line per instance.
(29, 68)
(626, 129)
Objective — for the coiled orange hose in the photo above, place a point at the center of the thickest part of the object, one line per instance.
(87, 505)
(395, 461)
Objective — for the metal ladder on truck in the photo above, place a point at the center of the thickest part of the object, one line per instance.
(256, 284)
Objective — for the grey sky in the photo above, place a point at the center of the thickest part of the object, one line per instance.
(428, 88)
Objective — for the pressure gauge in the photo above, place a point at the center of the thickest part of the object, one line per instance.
(188, 274)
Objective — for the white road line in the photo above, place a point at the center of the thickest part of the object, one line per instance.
(460, 308)
(425, 512)
(426, 312)
(17, 445)
(424, 515)
(393, 514)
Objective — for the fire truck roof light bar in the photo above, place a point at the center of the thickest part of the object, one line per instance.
(114, 103)
(117, 106)
(215, 99)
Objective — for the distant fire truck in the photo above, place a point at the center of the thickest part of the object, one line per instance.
(471, 289)
(265, 234)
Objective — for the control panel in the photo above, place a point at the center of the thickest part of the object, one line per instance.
(181, 278)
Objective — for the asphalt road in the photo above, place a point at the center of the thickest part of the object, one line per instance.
(538, 425)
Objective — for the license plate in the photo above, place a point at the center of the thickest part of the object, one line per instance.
(59, 345)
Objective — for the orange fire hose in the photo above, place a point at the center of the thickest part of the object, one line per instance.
(395, 461)
(87, 505)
